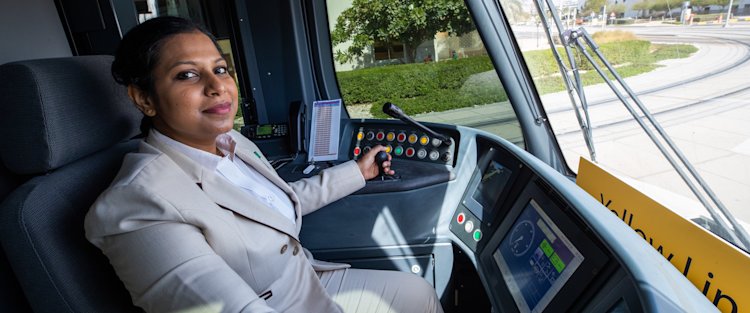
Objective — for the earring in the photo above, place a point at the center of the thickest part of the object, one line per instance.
(149, 112)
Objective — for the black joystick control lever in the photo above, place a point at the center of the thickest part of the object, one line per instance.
(380, 158)
(396, 112)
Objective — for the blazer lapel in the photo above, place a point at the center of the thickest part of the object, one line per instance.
(227, 195)
(252, 156)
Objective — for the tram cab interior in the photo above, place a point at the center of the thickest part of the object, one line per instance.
(495, 224)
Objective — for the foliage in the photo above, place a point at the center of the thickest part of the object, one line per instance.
(612, 36)
(642, 6)
(419, 88)
(593, 6)
(406, 22)
(596, 7)
(658, 5)
(702, 3)
(617, 8)
(514, 11)
(614, 46)
(665, 52)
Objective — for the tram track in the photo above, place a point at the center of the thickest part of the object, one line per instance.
(734, 66)
(691, 105)
(737, 65)
(720, 71)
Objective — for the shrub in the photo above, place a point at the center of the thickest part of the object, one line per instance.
(417, 87)
(612, 36)
(440, 86)
(624, 21)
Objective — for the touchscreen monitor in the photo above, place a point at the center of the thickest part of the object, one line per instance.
(536, 259)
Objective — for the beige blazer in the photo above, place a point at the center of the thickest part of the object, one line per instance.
(182, 237)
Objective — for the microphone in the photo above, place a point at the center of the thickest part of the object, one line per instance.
(396, 112)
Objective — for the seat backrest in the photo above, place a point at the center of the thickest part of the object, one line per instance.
(11, 296)
(66, 124)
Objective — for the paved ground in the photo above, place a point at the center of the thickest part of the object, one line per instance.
(712, 128)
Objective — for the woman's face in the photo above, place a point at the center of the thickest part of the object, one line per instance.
(195, 98)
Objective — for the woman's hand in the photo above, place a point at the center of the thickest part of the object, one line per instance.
(369, 168)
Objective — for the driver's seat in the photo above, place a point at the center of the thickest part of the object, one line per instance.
(67, 125)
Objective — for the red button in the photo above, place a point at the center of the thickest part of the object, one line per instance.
(401, 137)
(380, 136)
(410, 152)
(461, 218)
(357, 151)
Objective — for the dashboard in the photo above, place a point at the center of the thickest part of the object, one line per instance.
(532, 251)
(536, 241)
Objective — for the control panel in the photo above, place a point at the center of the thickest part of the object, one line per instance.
(467, 227)
(403, 142)
(485, 196)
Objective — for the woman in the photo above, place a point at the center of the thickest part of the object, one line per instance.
(198, 219)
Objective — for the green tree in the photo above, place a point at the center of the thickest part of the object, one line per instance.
(617, 8)
(665, 5)
(643, 7)
(407, 22)
(702, 3)
(593, 6)
(514, 11)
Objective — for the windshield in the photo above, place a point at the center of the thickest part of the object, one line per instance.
(688, 66)
(426, 57)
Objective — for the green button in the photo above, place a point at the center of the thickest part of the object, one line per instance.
(546, 247)
(477, 235)
(399, 150)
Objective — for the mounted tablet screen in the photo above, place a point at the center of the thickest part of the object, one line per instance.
(536, 259)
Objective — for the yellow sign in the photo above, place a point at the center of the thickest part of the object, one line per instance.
(718, 269)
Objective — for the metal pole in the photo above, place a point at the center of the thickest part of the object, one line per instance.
(575, 88)
(739, 237)
(729, 13)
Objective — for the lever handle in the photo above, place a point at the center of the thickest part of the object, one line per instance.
(380, 158)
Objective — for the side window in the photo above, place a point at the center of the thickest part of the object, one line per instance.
(427, 58)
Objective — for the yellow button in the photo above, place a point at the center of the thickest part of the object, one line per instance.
(388, 148)
(412, 138)
(390, 136)
(283, 249)
(360, 135)
(424, 140)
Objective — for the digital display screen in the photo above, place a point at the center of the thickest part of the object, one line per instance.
(263, 130)
(536, 259)
(491, 185)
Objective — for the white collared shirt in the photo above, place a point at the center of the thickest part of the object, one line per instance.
(235, 170)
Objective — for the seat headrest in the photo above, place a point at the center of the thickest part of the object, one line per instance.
(56, 111)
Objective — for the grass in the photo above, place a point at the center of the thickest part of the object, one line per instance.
(613, 36)
(666, 52)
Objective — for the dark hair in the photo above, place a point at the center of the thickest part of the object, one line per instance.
(140, 51)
